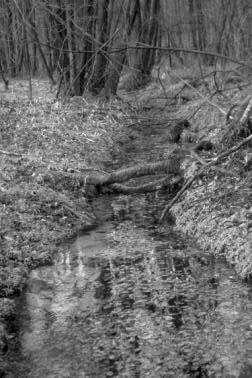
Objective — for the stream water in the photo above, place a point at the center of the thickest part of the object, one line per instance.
(130, 299)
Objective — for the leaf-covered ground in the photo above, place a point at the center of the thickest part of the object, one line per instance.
(217, 209)
(41, 142)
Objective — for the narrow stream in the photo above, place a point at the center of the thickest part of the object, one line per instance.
(130, 299)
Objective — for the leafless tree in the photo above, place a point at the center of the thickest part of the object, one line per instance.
(84, 43)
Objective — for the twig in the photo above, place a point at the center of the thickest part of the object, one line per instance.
(10, 153)
(197, 157)
(245, 115)
(212, 162)
(162, 86)
(140, 45)
(146, 188)
(82, 217)
(203, 97)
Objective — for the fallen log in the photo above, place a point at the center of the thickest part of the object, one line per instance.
(168, 182)
(169, 166)
(94, 181)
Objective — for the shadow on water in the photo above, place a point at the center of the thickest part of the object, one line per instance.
(130, 299)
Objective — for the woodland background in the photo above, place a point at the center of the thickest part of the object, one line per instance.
(87, 44)
(160, 62)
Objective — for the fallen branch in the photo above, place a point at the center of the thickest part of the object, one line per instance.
(82, 217)
(10, 153)
(200, 94)
(239, 126)
(140, 46)
(171, 165)
(189, 182)
(243, 119)
(146, 188)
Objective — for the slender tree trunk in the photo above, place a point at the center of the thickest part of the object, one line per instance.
(193, 24)
(6, 81)
(71, 46)
(148, 29)
(85, 71)
(63, 60)
(201, 30)
(117, 59)
(101, 36)
(11, 61)
(34, 33)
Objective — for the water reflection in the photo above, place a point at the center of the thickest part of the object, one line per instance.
(122, 303)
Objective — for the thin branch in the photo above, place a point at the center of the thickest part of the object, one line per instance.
(203, 97)
(10, 153)
(188, 51)
(146, 188)
(189, 182)
(139, 46)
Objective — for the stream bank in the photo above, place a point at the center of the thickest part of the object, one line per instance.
(220, 220)
(132, 299)
(216, 210)
(41, 141)
(183, 300)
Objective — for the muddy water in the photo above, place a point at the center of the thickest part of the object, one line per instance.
(131, 299)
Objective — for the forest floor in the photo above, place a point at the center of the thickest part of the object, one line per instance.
(43, 140)
(217, 209)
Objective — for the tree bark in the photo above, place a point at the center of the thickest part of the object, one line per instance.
(167, 182)
(170, 166)
(71, 48)
(36, 37)
(117, 60)
(148, 27)
(101, 37)
(85, 71)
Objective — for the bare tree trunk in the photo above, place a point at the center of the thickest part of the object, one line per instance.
(28, 64)
(114, 70)
(10, 56)
(84, 74)
(200, 25)
(6, 81)
(71, 46)
(197, 23)
(148, 27)
(193, 24)
(117, 59)
(101, 37)
(34, 32)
